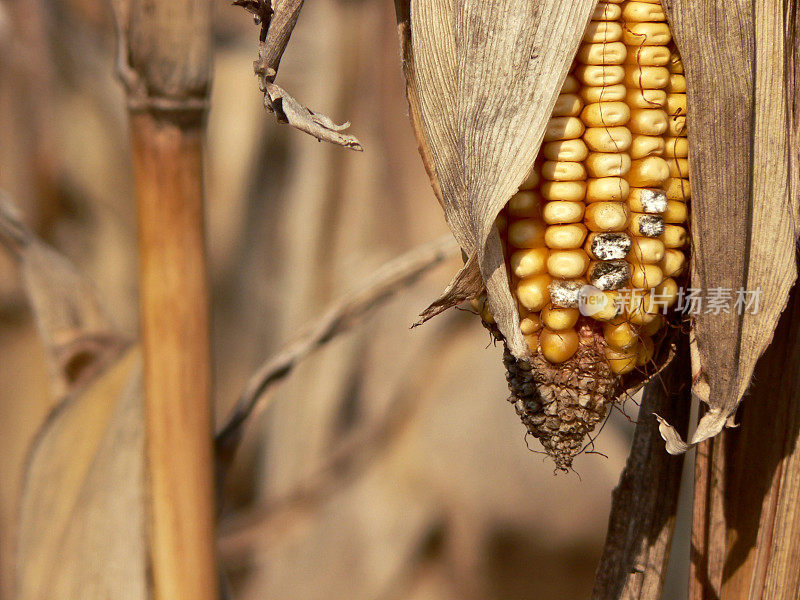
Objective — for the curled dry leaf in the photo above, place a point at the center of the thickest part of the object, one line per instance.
(276, 23)
(78, 336)
(482, 81)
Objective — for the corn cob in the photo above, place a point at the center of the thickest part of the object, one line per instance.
(604, 205)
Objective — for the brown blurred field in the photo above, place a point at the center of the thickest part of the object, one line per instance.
(450, 503)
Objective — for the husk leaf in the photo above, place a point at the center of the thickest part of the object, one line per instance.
(741, 70)
(483, 78)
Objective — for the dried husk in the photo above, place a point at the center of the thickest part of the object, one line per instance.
(742, 76)
(482, 78)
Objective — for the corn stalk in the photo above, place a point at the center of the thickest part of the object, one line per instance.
(164, 61)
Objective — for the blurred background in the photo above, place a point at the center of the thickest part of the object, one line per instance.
(438, 496)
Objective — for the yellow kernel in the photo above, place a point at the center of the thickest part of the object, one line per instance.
(606, 216)
(608, 164)
(563, 128)
(677, 83)
(649, 78)
(678, 167)
(526, 233)
(602, 31)
(675, 64)
(648, 121)
(674, 236)
(678, 189)
(532, 180)
(605, 114)
(648, 56)
(673, 263)
(565, 237)
(653, 325)
(644, 351)
(606, 189)
(557, 318)
(676, 104)
(567, 264)
(646, 145)
(606, 11)
(598, 75)
(646, 34)
(571, 85)
(612, 53)
(638, 98)
(566, 150)
(620, 337)
(603, 93)
(602, 306)
(665, 295)
(567, 105)
(677, 147)
(676, 212)
(646, 250)
(572, 191)
(527, 203)
(532, 339)
(529, 262)
(676, 125)
(620, 362)
(563, 171)
(642, 310)
(651, 171)
(639, 12)
(556, 213)
(645, 276)
(558, 346)
(530, 323)
(532, 292)
(607, 139)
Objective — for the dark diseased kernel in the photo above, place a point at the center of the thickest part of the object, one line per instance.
(651, 225)
(565, 294)
(610, 275)
(610, 246)
(653, 201)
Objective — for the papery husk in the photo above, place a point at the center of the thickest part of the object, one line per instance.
(741, 64)
(482, 83)
(482, 79)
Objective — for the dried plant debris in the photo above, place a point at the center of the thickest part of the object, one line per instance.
(276, 25)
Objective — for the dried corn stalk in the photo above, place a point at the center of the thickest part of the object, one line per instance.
(483, 81)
